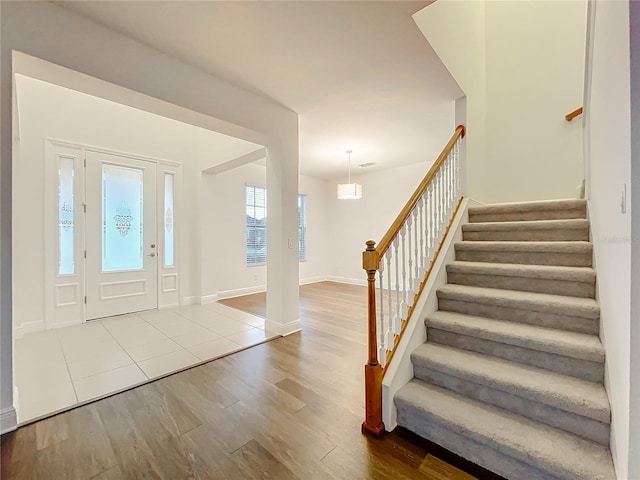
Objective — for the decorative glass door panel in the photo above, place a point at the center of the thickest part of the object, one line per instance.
(122, 218)
(121, 234)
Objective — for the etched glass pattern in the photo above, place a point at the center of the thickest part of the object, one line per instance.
(122, 235)
(66, 230)
(169, 235)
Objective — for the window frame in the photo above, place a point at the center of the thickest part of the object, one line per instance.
(261, 192)
(258, 192)
(302, 227)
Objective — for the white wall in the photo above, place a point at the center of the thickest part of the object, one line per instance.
(464, 55)
(223, 220)
(350, 223)
(634, 380)
(608, 138)
(521, 67)
(51, 33)
(318, 230)
(224, 267)
(49, 111)
(336, 229)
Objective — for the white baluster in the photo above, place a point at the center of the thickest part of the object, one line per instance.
(450, 185)
(457, 167)
(410, 260)
(438, 202)
(446, 187)
(382, 346)
(453, 179)
(443, 200)
(427, 208)
(390, 326)
(421, 251)
(416, 267)
(397, 319)
(403, 235)
(432, 218)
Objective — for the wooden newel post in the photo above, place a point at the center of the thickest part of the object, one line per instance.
(372, 424)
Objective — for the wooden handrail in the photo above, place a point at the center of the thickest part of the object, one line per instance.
(388, 237)
(374, 371)
(570, 116)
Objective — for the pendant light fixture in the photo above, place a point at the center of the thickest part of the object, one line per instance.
(349, 191)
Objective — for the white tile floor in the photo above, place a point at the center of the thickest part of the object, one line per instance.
(58, 369)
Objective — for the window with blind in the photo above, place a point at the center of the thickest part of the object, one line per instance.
(302, 227)
(256, 213)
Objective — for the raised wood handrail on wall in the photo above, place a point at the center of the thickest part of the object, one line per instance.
(570, 116)
(400, 264)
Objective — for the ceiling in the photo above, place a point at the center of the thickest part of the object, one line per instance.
(359, 73)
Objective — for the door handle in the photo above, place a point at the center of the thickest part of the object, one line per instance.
(152, 254)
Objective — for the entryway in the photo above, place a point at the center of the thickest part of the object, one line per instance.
(114, 219)
(107, 250)
(121, 238)
(61, 368)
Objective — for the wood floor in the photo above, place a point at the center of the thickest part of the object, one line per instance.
(287, 409)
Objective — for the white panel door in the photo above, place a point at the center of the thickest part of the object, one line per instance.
(121, 244)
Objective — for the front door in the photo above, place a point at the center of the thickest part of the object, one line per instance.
(121, 252)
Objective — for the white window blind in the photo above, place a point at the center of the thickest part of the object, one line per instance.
(302, 227)
(256, 213)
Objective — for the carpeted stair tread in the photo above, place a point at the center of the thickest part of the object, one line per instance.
(560, 391)
(547, 272)
(555, 452)
(570, 344)
(569, 223)
(539, 302)
(574, 247)
(545, 205)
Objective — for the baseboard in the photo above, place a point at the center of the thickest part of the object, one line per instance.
(209, 299)
(191, 301)
(28, 327)
(283, 329)
(239, 292)
(350, 281)
(8, 420)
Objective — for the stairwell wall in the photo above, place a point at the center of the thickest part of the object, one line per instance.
(521, 67)
(608, 144)
(634, 413)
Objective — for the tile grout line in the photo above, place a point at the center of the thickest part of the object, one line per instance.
(66, 363)
(149, 379)
(124, 349)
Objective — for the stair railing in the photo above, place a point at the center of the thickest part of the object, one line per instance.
(570, 116)
(400, 265)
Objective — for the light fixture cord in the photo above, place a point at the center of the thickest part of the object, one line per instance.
(349, 162)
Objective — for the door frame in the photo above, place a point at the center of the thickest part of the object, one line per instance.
(124, 290)
(72, 310)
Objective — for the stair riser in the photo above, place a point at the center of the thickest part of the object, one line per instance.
(539, 285)
(553, 235)
(550, 320)
(519, 216)
(525, 258)
(583, 369)
(477, 451)
(577, 424)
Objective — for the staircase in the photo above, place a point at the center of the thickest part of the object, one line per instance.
(511, 376)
